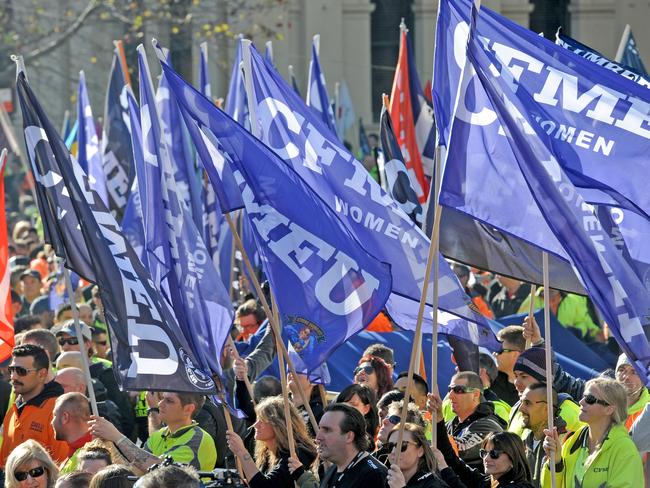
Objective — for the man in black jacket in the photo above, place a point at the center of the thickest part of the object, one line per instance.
(475, 417)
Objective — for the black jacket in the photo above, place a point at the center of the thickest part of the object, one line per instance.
(470, 433)
(505, 390)
(278, 476)
(426, 479)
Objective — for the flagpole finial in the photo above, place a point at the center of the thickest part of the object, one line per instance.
(402, 26)
(385, 100)
(20, 64)
(161, 52)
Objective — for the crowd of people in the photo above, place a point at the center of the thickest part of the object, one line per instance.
(490, 426)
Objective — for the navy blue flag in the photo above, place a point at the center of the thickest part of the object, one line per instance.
(117, 155)
(326, 285)
(191, 284)
(611, 283)
(594, 56)
(88, 153)
(132, 223)
(148, 349)
(299, 137)
(398, 183)
(204, 72)
(364, 145)
(178, 148)
(630, 55)
(317, 97)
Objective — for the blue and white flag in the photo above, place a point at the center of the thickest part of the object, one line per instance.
(398, 183)
(204, 72)
(345, 114)
(611, 283)
(178, 148)
(317, 97)
(630, 54)
(300, 138)
(236, 103)
(591, 113)
(149, 351)
(326, 285)
(117, 154)
(191, 285)
(294, 82)
(88, 153)
(594, 56)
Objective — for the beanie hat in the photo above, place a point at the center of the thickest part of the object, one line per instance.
(622, 360)
(532, 362)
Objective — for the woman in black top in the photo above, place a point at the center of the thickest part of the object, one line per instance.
(417, 466)
(364, 400)
(270, 468)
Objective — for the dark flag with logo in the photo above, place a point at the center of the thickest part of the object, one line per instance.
(149, 351)
(398, 183)
(117, 156)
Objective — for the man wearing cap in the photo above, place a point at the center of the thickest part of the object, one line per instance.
(637, 393)
(30, 287)
(41, 308)
(530, 368)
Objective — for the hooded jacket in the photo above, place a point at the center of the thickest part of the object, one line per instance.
(33, 420)
(616, 464)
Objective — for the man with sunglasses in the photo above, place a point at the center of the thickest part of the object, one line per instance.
(512, 344)
(30, 416)
(475, 418)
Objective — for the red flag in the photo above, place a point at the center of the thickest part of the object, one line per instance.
(6, 318)
(401, 114)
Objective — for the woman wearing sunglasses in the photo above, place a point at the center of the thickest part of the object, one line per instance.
(601, 453)
(417, 467)
(30, 466)
(375, 374)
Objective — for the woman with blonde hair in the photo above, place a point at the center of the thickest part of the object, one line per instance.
(601, 453)
(270, 468)
(30, 465)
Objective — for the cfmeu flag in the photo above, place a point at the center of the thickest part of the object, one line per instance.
(405, 110)
(301, 139)
(191, 284)
(396, 176)
(610, 281)
(149, 350)
(88, 153)
(629, 54)
(326, 285)
(117, 155)
(6, 314)
(594, 56)
(317, 97)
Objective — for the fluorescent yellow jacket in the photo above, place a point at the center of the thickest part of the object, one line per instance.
(569, 412)
(617, 464)
(633, 411)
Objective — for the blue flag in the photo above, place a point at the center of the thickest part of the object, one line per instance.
(132, 224)
(117, 154)
(192, 285)
(630, 55)
(236, 103)
(299, 137)
(294, 82)
(179, 151)
(594, 56)
(88, 153)
(364, 145)
(317, 97)
(204, 72)
(148, 349)
(610, 281)
(326, 285)
(398, 183)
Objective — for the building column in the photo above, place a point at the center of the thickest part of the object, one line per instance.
(425, 15)
(356, 54)
(593, 22)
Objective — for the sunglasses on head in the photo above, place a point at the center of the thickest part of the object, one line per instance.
(34, 473)
(20, 371)
(405, 445)
(460, 389)
(72, 341)
(493, 453)
(590, 400)
(365, 369)
(394, 419)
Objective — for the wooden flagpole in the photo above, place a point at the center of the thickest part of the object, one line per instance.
(548, 356)
(531, 310)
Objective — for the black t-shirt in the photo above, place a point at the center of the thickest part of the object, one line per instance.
(368, 472)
